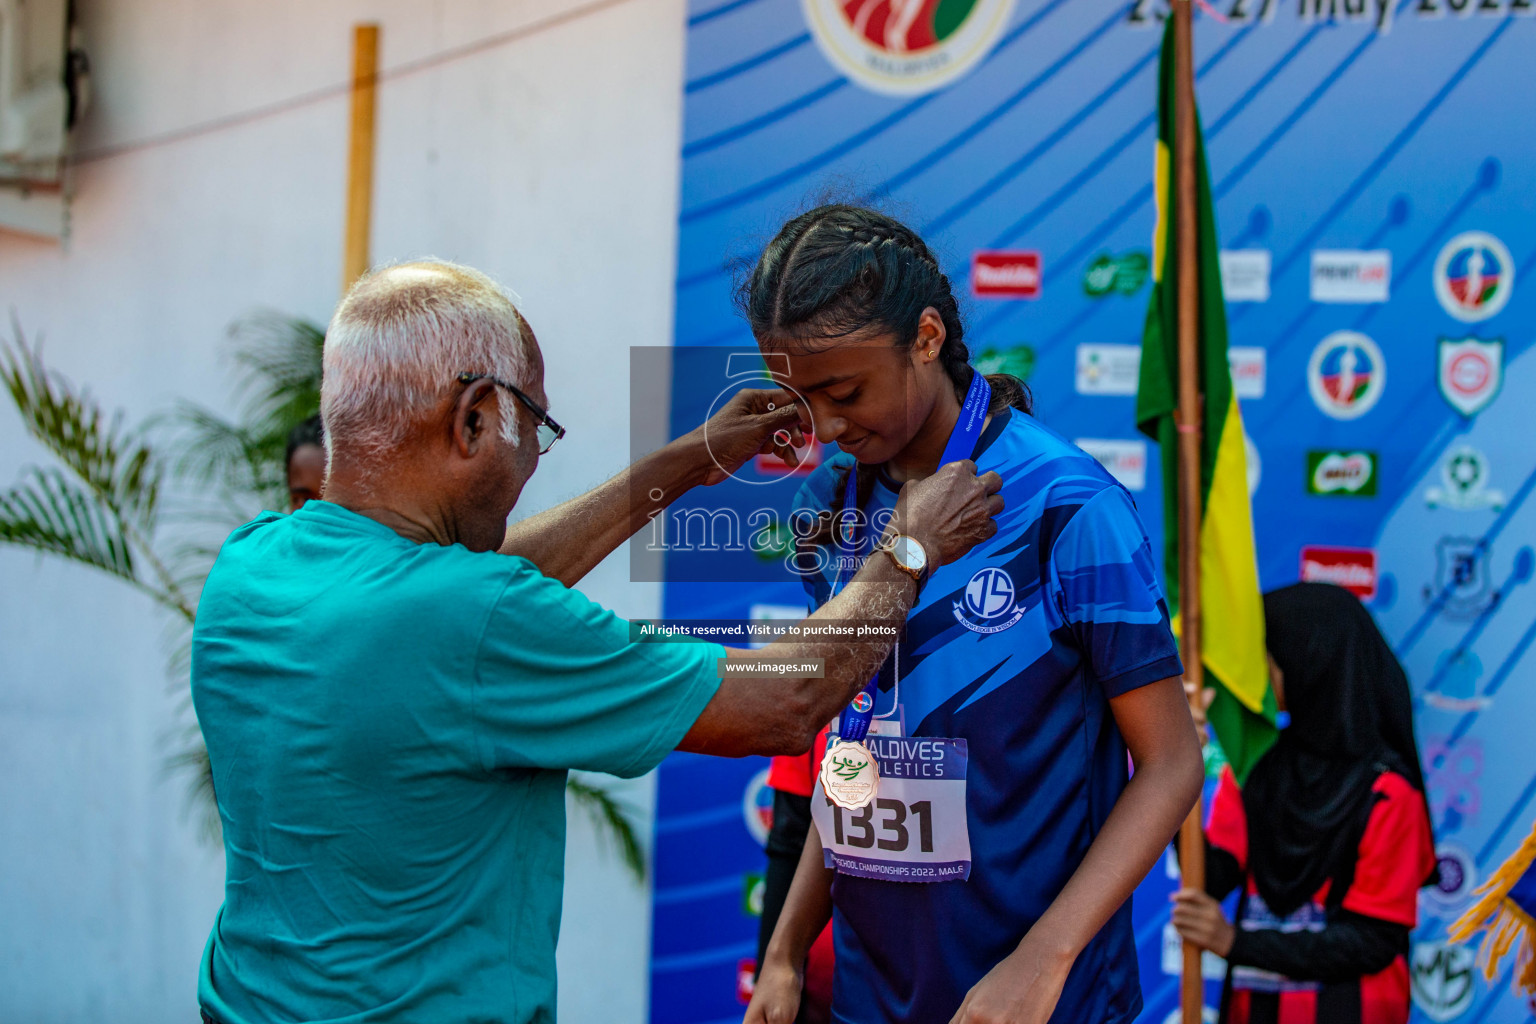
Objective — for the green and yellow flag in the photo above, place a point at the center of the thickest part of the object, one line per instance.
(1243, 714)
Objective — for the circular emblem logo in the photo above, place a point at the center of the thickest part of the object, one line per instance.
(757, 807)
(988, 604)
(1474, 276)
(1469, 373)
(989, 595)
(906, 47)
(863, 702)
(1346, 375)
(1465, 468)
(1458, 876)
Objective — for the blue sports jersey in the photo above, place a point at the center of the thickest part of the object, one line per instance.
(1071, 567)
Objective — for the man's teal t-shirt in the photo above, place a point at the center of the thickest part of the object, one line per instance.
(390, 725)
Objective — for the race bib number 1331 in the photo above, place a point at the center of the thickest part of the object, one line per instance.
(915, 830)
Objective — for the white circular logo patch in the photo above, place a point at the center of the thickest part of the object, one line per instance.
(989, 602)
(1346, 375)
(906, 47)
(1474, 276)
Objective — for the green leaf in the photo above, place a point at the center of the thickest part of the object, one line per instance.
(48, 512)
(612, 819)
(113, 462)
(277, 388)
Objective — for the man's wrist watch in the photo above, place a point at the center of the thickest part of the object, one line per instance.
(909, 556)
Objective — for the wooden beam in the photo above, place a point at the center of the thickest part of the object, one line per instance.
(365, 70)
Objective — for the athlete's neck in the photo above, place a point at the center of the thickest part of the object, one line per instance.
(921, 456)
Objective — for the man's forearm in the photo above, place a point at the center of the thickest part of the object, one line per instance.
(568, 541)
(782, 716)
(880, 594)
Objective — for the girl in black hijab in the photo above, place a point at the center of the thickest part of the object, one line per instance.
(1330, 838)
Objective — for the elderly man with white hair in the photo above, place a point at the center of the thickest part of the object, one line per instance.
(391, 703)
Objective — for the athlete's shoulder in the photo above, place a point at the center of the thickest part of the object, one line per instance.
(1032, 457)
(820, 488)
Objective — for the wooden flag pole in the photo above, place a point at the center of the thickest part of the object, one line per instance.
(365, 71)
(1192, 837)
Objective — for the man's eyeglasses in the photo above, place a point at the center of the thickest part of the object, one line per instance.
(549, 430)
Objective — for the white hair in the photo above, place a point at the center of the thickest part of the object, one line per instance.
(398, 343)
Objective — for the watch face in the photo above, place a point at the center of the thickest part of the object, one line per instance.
(911, 554)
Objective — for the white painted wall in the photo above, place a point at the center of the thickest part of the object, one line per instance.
(550, 162)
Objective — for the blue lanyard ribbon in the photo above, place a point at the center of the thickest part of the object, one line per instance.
(853, 725)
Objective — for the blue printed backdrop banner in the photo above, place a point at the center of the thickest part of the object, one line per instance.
(1374, 169)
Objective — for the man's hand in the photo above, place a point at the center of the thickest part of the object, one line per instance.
(1023, 989)
(776, 998)
(756, 421)
(949, 512)
(1199, 919)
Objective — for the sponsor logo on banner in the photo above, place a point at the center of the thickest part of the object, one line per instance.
(1349, 275)
(989, 603)
(1116, 369)
(1248, 371)
(1471, 372)
(1462, 581)
(1346, 375)
(1108, 369)
(1125, 460)
(1465, 475)
(1458, 671)
(1377, 14)
(1453, 774)
(1018, 360)
(1208, 1014)
(1125, 274)
(996, 274)
(904, 48)
(1255, 464)
(1354, 569)
(1458, 877)
(768, 614)
(1442, 979)
(1212, 967)
(1342, 473)
(746, 980)
(752, 895)
(1245, 275)
(1474, 276)
(757, 807)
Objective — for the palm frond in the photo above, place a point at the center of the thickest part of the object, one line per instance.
(281, 357)
(48, 512)
(116, 464)
(278, 387)
(209, 450)
(613, 819)
(201, 802)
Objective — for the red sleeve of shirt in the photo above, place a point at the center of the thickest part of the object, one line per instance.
(797, 773)
(1396, 854)
(1227, 827)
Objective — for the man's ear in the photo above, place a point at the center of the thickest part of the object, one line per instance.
(472, 415)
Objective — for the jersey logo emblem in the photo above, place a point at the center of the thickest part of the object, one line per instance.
(989, 602)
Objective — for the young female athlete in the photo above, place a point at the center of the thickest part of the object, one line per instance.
(1330, 838)
(986, 879)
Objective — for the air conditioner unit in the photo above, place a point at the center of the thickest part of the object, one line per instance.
(39, 78)
(34, 101)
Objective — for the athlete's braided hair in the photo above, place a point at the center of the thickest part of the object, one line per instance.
(837, 270)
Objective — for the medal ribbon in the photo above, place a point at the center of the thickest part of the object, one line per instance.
(853, 725)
